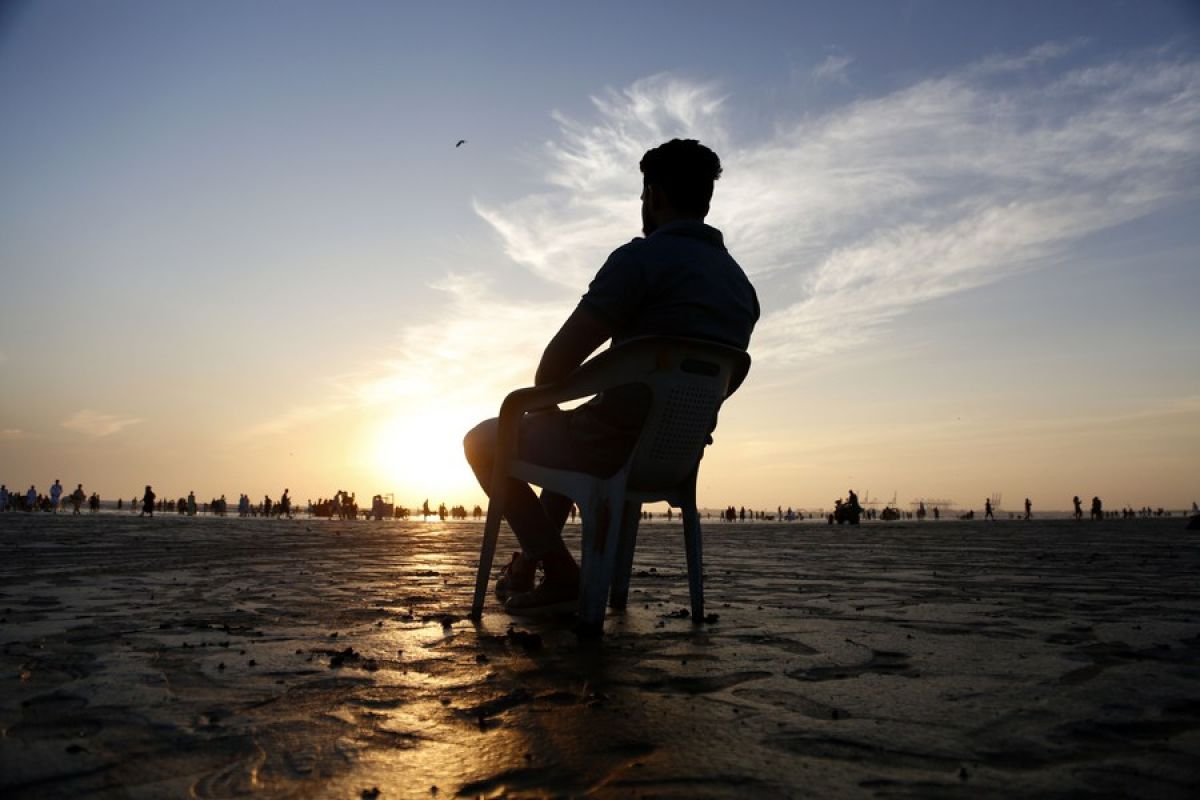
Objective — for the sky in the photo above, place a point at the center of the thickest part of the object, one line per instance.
(240, 251)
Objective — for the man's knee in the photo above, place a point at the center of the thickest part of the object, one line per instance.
(480, 443)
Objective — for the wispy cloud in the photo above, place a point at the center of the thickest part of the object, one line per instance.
(294, 418)
(833, 69)
(1043, 53)
(889, 202)
(564, 234)
(884, 204)
(13, 435)
(95, 423)
(462, 361)
(469, 351)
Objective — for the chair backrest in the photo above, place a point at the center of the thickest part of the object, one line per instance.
(689, 381)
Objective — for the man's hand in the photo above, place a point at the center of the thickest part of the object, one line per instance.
(579, 336)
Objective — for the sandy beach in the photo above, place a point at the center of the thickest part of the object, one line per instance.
(175, 657)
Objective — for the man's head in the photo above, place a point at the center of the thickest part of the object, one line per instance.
(677, 182)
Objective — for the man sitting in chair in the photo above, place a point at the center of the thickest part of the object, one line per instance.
(677, 281)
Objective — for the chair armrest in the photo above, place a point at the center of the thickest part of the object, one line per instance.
(616, 366)
(613, 367)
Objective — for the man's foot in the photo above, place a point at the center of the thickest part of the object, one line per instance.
(550, 598)
(516, 577)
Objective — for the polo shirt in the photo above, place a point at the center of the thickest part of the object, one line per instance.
(678, 281)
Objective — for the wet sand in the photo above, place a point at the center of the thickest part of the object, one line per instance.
(202, 657)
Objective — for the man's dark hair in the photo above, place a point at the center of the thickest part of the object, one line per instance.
(685, 171)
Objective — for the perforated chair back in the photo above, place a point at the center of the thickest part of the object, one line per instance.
(689, 381)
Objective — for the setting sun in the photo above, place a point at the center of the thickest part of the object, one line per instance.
(421, 454)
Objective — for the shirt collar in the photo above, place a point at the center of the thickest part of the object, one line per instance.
(693, 229)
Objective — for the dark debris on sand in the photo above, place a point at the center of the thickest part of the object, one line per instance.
(527, 641)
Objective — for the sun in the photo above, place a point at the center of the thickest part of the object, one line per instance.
(421, 455)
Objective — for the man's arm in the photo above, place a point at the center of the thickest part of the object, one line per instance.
(579, 336)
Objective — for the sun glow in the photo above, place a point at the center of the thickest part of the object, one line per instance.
(421, 455)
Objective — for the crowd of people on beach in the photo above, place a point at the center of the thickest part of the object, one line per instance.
(344, 505)
(50, 502)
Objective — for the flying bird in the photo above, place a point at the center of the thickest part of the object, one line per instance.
(461, 142)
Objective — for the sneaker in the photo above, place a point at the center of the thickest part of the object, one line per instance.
(516, 577)
(548, 599)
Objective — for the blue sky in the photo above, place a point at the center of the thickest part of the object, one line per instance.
(241, 231)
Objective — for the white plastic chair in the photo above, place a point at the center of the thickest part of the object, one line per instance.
(688, 380)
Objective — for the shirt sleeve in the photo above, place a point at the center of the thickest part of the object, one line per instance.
(618, 288)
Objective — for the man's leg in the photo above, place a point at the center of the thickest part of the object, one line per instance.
(536, 523)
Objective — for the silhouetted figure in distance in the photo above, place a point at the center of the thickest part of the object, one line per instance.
(148, 502)
(77, 498)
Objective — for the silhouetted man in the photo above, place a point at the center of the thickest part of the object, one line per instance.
(77, 498)
(677, 281)
(148, 502)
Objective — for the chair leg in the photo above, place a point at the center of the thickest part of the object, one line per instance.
(491, 533)
(619, 597)
(588, 510)
(600, 560)
(695, 561)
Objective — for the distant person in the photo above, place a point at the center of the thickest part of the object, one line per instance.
(937, 514)
(678, 281)
(1097, 508)
(1078, 507)
(1028, 509)
(148, 502)
(191, 504)
(94, 502)
(4, 498)
(31, 499)
(285, 505)
(987, 509)
(77, 498)
(55, 494)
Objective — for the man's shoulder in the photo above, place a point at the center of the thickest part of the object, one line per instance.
(630, 249)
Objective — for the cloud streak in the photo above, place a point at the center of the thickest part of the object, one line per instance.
(97, 424)
(886, 203)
